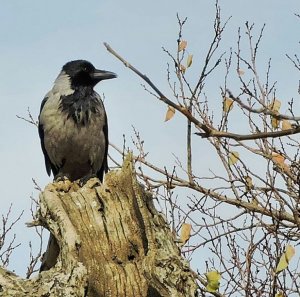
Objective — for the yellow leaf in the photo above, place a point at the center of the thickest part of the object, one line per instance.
(233, 158)
(182, 45)
(289, 252)
(189, 61)
(227, 104)
(170, 113)
(285, 258)
(240, 72)
(283, 264)
(185, 232)
(275, 122)
(213, 281)
(280, 294)
(275, 105)
(285, 125)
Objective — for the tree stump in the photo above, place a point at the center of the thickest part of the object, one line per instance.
(106, 241)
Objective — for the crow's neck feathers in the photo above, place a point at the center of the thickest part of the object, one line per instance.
(80, 106)
(62, 85)
(78, 103)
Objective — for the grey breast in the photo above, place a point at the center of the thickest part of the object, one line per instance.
(77, 149)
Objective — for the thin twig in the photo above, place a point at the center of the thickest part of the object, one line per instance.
(208, 131)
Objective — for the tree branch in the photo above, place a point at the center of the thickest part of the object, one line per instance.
(208, 131)
(162, 97)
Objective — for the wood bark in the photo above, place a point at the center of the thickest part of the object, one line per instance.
(106, 240)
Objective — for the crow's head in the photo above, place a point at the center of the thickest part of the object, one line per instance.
(83, 73)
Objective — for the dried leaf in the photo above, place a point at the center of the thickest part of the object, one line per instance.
(189, 61)
(185, 233)
(275, 105)
(254, 201)
(249, 183)
(240, 72)
(275, 122)
(213, 281)
(283, 264)
(285, 258)
(182, 45)
(285, 125)
(286, 168)
(182, 69)
(278, 159)
(227, 104)
(233, 158)
(280, 162)
(289, 252)
(170, 113)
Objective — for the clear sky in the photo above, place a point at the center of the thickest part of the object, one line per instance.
(38, 37)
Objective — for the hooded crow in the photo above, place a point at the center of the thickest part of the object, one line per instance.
(73, 124)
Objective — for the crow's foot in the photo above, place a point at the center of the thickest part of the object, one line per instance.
(62, 182)
(86, 178)
(61, 177)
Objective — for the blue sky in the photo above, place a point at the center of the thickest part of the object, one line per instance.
(38, 37)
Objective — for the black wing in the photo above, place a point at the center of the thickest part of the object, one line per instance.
(104, 167)
(48, 164)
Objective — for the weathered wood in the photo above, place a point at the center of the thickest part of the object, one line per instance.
(115, 239)
(57, 282)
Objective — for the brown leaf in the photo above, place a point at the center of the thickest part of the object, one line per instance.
(170, 113)
(182, 68)
(182, 45)
(240, 72)
(249, 182)
(278, 159)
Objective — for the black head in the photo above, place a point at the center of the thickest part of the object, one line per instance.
(83, 73)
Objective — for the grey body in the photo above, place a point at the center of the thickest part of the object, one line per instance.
(73, 129)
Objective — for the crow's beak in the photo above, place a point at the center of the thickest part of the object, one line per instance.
(102, 74)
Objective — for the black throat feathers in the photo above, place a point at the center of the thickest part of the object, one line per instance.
(81, 105)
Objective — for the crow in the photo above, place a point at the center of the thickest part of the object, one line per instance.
(73, 124)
